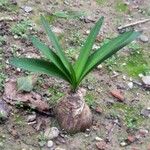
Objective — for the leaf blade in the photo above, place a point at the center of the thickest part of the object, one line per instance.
(49, 54)
(108, 50)
(56, 44)
(84, 54)
(38, 66)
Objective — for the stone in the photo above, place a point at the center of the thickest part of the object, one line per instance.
(131, 138)
(117, 94)
(123, 144)
(110, 102)
(146, 80)
(98, 110)
(98, 138)
(59, 148)
(27, 9)
(145, 112)
(4, 111)
(51, 133)
(57, 30)
(101, 145)
(50, 144)
(144, 38)
(99, 66)
(31, 118)
(130, 85)
(143, 132)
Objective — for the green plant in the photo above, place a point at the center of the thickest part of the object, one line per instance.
(55, 95)
(121, 6)
(20, 29)
(2, 40)
(100, 2)
(6, 5)
(57, 63)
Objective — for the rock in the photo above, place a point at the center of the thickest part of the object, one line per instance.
(145, 112)
(4, 111)
(148, 147)
(50, 144)
(135, 148)
(51, 133)
(110, 102)
(98, 138)
(144, 38)
(117, 94)
(123, 144)
(146, 80)
(131, 139)
(98, 110)
(59, 148)
(99, 66)
(27, 9)
(101, 145)
(57, 30)
(88, 19)
(130, 85)
(143, 132)
(31, 118)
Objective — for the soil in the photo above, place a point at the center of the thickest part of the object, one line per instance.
(114, 121)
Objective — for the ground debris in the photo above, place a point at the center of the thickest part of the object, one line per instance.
(117, 94)
(4, 111)
(32, 99)
(101, 145)
(51, 133)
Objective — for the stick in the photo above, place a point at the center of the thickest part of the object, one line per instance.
(133, 24)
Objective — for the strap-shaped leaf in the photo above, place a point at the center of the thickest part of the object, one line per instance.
(49, 54)
(84, 54)
(107, 50)
(56, 44)
(38, 66)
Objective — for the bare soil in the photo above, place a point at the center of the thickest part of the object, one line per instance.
(113, 121)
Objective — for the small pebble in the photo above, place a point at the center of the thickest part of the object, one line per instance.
(31, 118)
(144, 38)
(143, 132)
(146, 80)
(145, 112)
(50, 144)
(123, 144)
(98, 138)
(51, 133)
(99, 66)
(59, 148)
(4, 111)
(27, 9)
(130, 85)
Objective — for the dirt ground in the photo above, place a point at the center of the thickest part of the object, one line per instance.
(117, 124)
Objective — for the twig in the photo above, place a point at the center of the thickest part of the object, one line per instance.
(133, 24)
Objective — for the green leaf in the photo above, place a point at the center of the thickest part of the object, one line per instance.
(107, 50)
(26, 83)
(38, 66)
(56, 44)
(49, 54)
(84, 54)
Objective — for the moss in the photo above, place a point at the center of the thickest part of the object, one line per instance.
(90, 99)
(129, 114)
(120, 6)
(55, 95)
(6, 5)
(100, 2)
